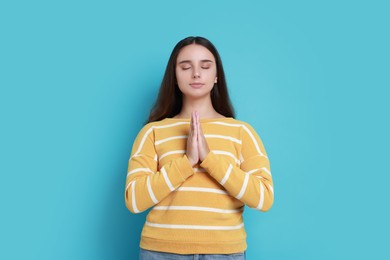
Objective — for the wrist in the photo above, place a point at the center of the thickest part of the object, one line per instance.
(192, 162)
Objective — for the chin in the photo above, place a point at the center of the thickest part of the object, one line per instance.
(197, 95)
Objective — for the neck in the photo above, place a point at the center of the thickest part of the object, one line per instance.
(203, 106)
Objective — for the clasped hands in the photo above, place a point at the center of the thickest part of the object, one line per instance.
(197, 148)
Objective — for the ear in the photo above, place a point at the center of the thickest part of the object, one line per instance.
(216, 79)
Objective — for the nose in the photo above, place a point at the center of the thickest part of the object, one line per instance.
(195, 73)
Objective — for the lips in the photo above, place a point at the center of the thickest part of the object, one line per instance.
(196, 85)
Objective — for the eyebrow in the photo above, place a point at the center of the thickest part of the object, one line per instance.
(188, 61)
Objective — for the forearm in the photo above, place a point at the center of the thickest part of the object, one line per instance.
(252, 185)
(145, 189)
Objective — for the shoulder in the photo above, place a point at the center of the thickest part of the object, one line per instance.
(154, 124)
(147, 129)
(246, 128)
(242, 124)
(161, 124)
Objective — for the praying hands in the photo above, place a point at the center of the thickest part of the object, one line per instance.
(197, 148)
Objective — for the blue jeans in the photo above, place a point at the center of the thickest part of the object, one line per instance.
(153, 255)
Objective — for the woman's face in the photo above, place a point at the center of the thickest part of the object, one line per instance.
(196, 71)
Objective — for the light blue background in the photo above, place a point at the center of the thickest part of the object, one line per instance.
(78, 79)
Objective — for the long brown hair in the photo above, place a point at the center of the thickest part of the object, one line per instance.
(170, 100)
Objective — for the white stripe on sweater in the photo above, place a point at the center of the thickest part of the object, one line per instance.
(139, 170)
(261, 202)
(128, 185)
(271, 188)
(259, 169)
(252, 171)
(170, 138)
(226, 124)
(228, 154)
(194, 226)
(198, 209)
(223, 137)
(133, 202)
(172, 152)
(266, 170)
(243, 188)
(151, 191)
(227, 174)
(172, 125)
(164, 173)
(202, 190)
(142, 155)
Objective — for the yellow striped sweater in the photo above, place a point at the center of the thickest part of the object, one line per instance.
(197, 210)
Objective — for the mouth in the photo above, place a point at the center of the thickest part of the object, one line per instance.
(196, 85)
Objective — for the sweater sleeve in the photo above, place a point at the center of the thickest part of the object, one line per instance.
(251, 182)
(147, 182)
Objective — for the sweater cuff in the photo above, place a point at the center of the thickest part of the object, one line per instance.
(184, 167)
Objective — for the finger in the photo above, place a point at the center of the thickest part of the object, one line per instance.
(196, 124)
(199, 125)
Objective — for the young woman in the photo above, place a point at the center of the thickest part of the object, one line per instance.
(195, 164)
